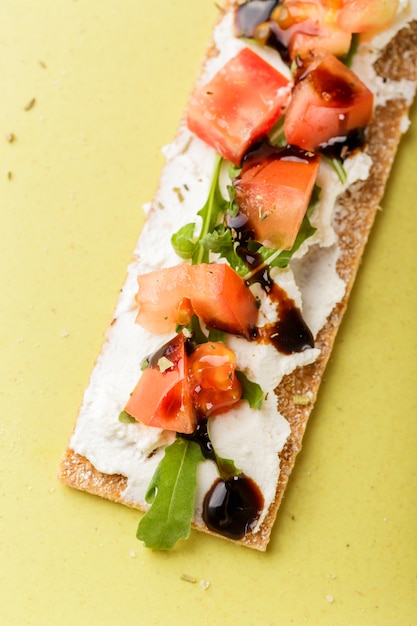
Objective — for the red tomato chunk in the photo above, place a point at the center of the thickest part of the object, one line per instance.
(309, 25)
(176, 390)
(162, 397)
(328, 102)
(214, 292)
(240, 104)
(214, 385)
(273, 191)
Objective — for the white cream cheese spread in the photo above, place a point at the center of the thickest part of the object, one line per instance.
(252, 438)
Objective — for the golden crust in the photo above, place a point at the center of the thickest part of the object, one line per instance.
(359, 206)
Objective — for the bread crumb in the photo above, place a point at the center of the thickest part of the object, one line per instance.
(30, 104)
(188, 578)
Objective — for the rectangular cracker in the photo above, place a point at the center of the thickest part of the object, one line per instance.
(353, 223)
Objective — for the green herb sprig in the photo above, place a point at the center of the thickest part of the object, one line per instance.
(184, 242)
(171, 494)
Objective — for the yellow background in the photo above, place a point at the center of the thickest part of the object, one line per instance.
(110, 80)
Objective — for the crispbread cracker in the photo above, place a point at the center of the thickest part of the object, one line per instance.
(353, 222)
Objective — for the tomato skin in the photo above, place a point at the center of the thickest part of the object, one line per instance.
(358, 16)
(273, 190)
(162, 397)
(328, 102)
(215, 387)
(214, 292)
(238, 105)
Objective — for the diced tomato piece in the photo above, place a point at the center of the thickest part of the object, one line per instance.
(238, 105)
(215, 387)
(329, 37)
(357, 16)
(223, 300)
(162, 397)
(274, 190)
(214, 292)
(303, 26)
(177, 389)
(161, 298)
(328, 102)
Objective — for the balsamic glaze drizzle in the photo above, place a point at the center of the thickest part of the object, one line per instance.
(233, 503)
(231, 507)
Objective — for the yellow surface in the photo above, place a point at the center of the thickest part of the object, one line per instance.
(110, 80)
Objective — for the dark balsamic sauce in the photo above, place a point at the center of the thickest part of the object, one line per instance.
(263, 152)
(334, 89)
(232, 506)
(290, 333)
(257, 13)
(251, 14)
(201, 436)
(344, 146)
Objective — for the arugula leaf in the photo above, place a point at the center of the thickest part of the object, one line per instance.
(277, 135)
(226, 467)
(171, 495)
(214, 205)
(182, 241)
(218, 239)
(337, 165)
(126, 418)
(252, 392)
(216, 335)
(221, 242)
(348, 58)
(234, 170)
(196, 334)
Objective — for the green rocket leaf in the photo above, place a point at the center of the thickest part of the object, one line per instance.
(171, 495)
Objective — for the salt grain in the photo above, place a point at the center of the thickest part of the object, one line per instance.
(204, 584)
